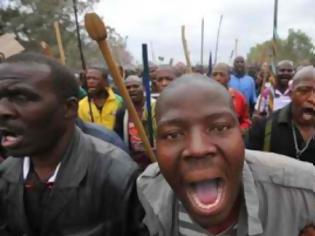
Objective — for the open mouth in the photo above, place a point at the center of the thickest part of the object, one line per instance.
(308, 113)
(9, 138)
(206, 195)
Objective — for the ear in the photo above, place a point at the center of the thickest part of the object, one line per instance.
(71, 107)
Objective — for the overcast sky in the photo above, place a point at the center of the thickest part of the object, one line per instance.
(158, 22)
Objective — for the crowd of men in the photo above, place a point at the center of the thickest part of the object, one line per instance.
(235, 152)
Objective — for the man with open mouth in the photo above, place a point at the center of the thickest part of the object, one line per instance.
(57, 180)
(205, 183)
(125, 126)
(291, 130)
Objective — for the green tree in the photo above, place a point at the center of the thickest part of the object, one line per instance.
(297, 47)
(32, 22)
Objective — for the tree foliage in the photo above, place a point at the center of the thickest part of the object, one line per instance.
(297, 47)
(32, 22)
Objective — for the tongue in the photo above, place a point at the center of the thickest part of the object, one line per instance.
(207, 191)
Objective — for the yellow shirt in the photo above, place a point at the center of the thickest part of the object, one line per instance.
(105, 117)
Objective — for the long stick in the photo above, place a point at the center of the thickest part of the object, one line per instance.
(97, 31)
(78, 34)
(59, 42)
(146, 83)
(184, 41)
(83, 64)
(275, 35)
(218, 38)
(202, 40)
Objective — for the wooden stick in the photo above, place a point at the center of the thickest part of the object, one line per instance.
(97, 31)
(60, 47)
(184, 41)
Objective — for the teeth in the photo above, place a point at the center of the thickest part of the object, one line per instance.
(10, 138)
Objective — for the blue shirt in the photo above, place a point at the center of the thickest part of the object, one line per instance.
(246, 85)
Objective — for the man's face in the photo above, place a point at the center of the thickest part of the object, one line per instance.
(163, 78)
(303, 101)
(285, 73)
(31, 117)
(135, 90)
(221, 75)
(201, 152)
(95, 81)
(239, 65)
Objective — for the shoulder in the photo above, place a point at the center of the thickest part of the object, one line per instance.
(9, 164)
(280, 170)
(83, 101)
(152, 180)
(107, 159)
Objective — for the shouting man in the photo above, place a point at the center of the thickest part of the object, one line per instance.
(58, 181)
(206, 184)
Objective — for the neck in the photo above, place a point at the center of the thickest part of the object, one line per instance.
(45, 163)
(239, 74)
(102, 94)
(139, 104)
(282, 88)
(307, 132)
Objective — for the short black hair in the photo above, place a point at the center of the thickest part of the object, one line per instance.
(64, 81)
(104, 72)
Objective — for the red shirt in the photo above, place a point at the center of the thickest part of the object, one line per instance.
(241, 108)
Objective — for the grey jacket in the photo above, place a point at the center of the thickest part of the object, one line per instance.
(279, 197)
(94, 193)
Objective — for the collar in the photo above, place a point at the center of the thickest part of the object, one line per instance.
(111, 94)
(27, 166)
(285, 114)
(155, 193)
(278, 92)
(251, 202)
(73, 166)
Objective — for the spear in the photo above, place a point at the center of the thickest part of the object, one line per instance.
(97, 31)
(218, 38)
(202, 40)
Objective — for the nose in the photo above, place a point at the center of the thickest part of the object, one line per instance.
(311, 97)
(164, 82)
(199, 145)
(7, 111)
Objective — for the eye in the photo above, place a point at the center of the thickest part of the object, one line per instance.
(219, 128)
(172, 136)
(19, 98)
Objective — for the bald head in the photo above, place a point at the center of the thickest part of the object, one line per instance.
(307, 73)
(222, 67)
(190, 86)
(163, 76)
(239, 65)
(133, 79)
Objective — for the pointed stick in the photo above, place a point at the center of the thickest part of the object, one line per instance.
(59, 42)
(184, 41)
(97, 31)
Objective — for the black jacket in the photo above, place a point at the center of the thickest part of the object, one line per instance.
(94, 194)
